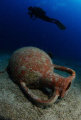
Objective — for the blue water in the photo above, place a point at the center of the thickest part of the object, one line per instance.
(17, 29)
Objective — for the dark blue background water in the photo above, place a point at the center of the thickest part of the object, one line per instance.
(17, 29)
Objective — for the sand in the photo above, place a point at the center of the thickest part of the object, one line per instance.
(14, 105)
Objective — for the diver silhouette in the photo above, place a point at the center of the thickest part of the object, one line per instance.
(40, 13)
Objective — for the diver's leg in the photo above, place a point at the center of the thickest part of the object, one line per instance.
(59, 24)
(54, 20)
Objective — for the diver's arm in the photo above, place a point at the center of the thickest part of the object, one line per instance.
(34, 18)
(30, 13)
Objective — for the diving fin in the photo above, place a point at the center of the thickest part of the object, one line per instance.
(60, 25)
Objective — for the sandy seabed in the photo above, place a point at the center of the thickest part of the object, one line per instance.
(14, 105)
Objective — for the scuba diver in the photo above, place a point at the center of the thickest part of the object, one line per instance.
(40, 13)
